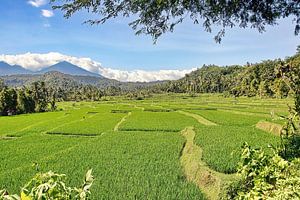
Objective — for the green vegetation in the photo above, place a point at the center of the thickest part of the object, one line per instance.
(141, 157)
(27, 100)
(158, 17)
(135, 145)
(156, 121)
(261, 80)
(51, 186)
(266, 176)
(274, 176)
(221, 144)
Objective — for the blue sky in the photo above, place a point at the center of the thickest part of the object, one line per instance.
(24, 29)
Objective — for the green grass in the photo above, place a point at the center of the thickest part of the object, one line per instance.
(93, 124)
(222, 144)
(142, 159)
(130, 165)
(156, 121)
(227, 118)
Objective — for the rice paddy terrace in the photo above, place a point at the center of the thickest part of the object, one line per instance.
(164, 147)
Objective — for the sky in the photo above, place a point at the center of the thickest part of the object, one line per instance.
(35, 36)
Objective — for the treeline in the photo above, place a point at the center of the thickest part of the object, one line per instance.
(40, 97)
(261, 79)
(84, 88)
(37, 98)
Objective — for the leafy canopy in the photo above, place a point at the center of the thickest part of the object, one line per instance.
(155, 17)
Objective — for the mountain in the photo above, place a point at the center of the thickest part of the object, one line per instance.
(68, 68)
(6, 69)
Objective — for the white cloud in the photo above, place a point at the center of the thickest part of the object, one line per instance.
(37, 3)
(144, 76)
(36, 62)
(47, 13)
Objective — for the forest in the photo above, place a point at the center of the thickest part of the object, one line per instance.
(259, 79)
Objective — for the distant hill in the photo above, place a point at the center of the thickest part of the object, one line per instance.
(68, 68)
(6, 69)
(64, 75)
(61, 80)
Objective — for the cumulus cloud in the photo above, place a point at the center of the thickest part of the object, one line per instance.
(37, 3)
(36, 62)
(144, 76)
(47, 13)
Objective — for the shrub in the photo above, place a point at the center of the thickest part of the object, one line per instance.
(266, 176)
(51, 186)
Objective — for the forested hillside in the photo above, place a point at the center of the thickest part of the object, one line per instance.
(72, 87)
(260, 79)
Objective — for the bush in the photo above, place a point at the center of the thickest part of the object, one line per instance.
(51, 186)
(266, 176)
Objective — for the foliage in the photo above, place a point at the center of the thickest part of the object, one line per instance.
(261, 79)
(157, 17)
(290, 74)
(51, 185)
(290, 136)
(40, 94)
(266, 176)
(26, 100)
(8, 101)
(275, 176)
(1, 84)
(65, 87)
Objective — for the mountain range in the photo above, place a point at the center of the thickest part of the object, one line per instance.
(6, 69)
(62, 75)
(62, 67)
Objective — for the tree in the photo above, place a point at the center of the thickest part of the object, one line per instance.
(29, 103)
(25, 100)
(52, 98)
(8, 101)
(39, 92)
(2, 85)
(280, 88)
(21, 102)
(155, 17)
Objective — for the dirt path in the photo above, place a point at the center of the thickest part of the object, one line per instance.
(269, 127)
(196, 171)
(121, 121)
(200, 119)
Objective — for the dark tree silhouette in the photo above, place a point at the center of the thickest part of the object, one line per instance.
(155, 17)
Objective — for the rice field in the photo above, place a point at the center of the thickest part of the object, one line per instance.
(134, 147)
